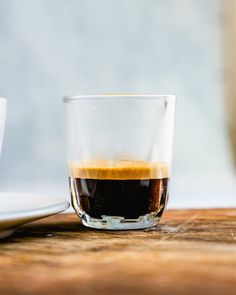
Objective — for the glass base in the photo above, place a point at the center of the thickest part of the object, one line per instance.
(120, 223)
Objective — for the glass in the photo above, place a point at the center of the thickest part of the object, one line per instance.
(119, 158)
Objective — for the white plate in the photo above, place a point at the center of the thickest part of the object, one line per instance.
(19, 208)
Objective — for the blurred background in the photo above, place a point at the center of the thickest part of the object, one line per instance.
(49, 49)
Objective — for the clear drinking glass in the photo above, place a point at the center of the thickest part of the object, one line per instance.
(119, 158)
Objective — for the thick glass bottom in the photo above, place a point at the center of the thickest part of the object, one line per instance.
(120, 223)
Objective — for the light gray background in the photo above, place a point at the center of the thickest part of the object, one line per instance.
(52, 48)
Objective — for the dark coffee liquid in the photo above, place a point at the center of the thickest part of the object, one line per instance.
(128, 198)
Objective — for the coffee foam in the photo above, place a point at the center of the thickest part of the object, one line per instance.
(118, 170)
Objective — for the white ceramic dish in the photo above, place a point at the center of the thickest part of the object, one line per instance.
(19, 208)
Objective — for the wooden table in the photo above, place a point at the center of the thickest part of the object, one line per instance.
(190, 252)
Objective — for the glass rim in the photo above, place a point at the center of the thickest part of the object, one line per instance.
(70, 98)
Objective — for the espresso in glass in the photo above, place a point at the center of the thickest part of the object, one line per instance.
(119, 155)
(119, 190)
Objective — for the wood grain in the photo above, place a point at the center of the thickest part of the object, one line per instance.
(190, 252)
